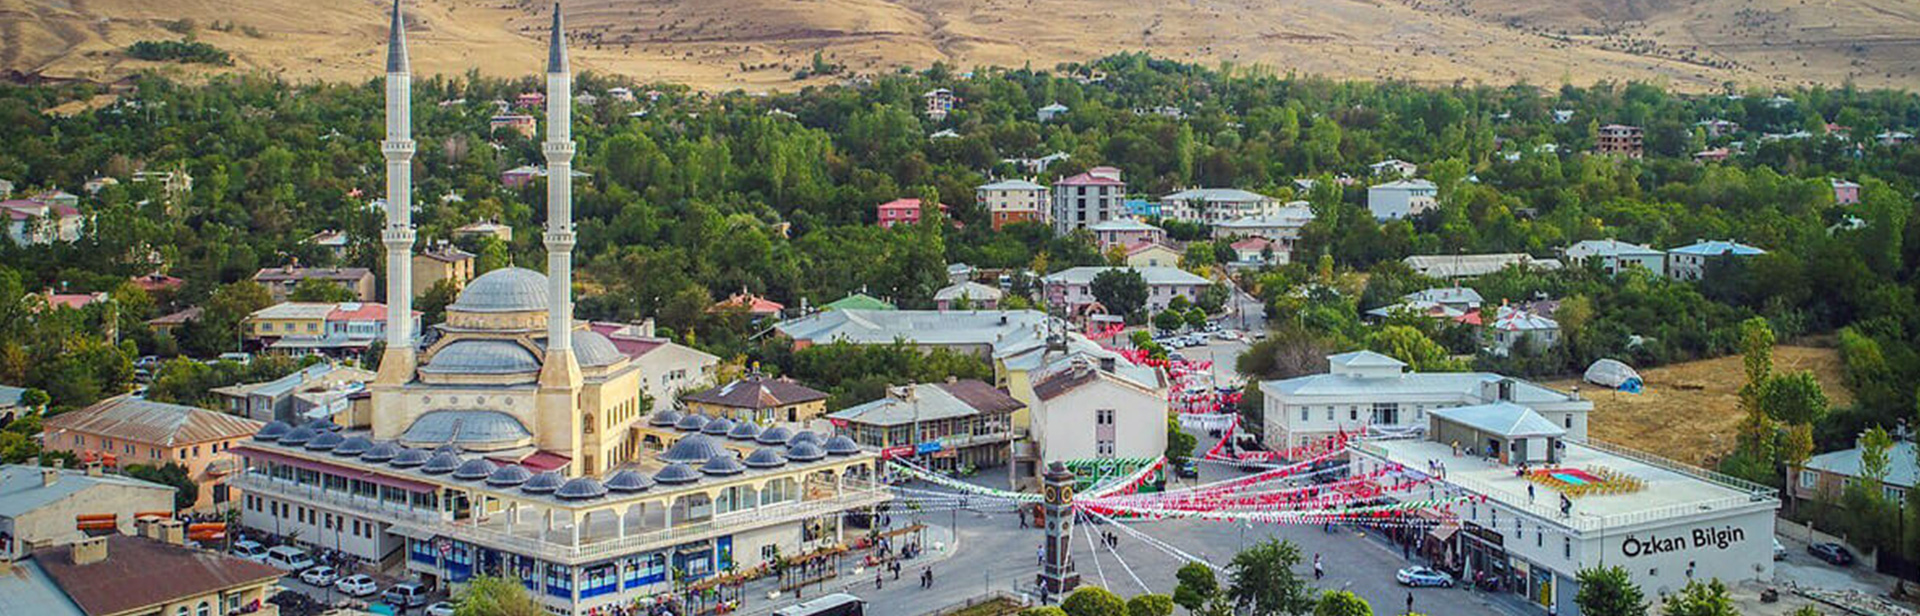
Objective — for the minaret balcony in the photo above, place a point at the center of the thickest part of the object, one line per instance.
(397, 146)
(557, 151)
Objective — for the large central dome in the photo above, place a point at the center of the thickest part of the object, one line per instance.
(508, 289)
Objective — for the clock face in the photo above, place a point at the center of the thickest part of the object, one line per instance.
(1066, 494)
(1052, 494)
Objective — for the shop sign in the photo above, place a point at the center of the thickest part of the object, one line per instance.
(927, 447)
(896, 452)
(1699, 539)
(1485, 534)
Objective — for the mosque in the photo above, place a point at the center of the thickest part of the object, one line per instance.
(517, 444)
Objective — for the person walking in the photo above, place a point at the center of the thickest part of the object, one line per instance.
(1318, 571)
(1409, 602)
(876, 580)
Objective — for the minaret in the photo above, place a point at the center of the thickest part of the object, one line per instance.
(397, 364)
(559, 424)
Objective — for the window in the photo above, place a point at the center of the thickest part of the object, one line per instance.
(1568, 420)
(1566, 547)
(1808, 479)
(1353, 413)
(1893, 494)
(1103, 417)
(205, 609)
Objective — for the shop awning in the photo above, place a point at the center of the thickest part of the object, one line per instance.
(1444, 530)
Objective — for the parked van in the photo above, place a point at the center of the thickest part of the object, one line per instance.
(250, 550)
(407, 594)
(288, 558)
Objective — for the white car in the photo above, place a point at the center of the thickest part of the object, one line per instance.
(1422, 576)
(442, 608)
(356, 585)
(288, 558)
(322, 576)
(250, 550)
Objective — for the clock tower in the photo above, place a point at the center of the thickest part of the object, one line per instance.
(1057, 576)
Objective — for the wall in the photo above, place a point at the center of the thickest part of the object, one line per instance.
(373, 542)
(54, 522)
(1069, 430)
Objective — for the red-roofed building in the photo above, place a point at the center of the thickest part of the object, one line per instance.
(1088, 198)
(1259, 250)
(530, 100)
(753, 304)
(34, 221)
(902, 212)
(157, 283)
(75, 301)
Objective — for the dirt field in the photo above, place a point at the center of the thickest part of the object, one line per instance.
(758, 44)
(1688, 411)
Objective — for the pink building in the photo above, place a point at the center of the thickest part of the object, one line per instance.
(901, 212)
(1845, 192)
(1088, 198)
(1125, 232)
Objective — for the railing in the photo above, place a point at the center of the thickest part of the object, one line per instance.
(1683, 468)
(254, 482)
(850, 498)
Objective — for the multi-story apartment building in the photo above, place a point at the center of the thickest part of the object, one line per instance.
(1010, 201)
(1087, 198)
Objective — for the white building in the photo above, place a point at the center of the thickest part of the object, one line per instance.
(667, 368)
(1512, 324)
(1690, 262)
(1081, 403)
(939, 102)
(1215, 205)
(1365, 390)
(1575, 505)
(1393, 168)
(1073, 288)
(1469, 266)
(1615, 255)
(1125, 232)
(1088, 198)
(1049, 112)
(1009, 201)
(41, 221)
(1401, 199)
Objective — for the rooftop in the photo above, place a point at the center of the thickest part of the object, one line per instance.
(1121, 224)
(1289, 216)
(1230, 195)
(22, 489)
(970, 290)
(1088, 179)
(757, 391)
(157, 423)
(930, 327)
(140, 572)
(1717, 247)
(1012, 185)
(317, 311)
(1504, 418)
(1406, 185)
(1154, 275)
(1902, 470)
(1464, 266)
(1610, 248)
(929, 402)
(1445, 295)
(294, 274)
(860, 301)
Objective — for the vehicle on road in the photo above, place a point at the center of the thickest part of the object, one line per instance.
(1833, 553)
(837, 604)
(250, 550)
(407, 594)
(288, 558)
(321, 575)
(1779, 551)
(240, 358)
(1187, 469)
(441, 608)
(356, 585)
(1422, 576)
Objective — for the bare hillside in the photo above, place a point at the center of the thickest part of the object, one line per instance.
(757, 44)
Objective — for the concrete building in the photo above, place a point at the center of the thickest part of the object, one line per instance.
(1824, 477)
(1615, 255)
(318, 327)
(280, 281)
(520, 123)
(278, 399)
(1513, 324)
(1259, 251)
(1124, 232)
(1049, 112)
(667, 368)
(1078, 408)
(1690, 262)
(1153, 255)
(1010, 201)
(1082, 200)
(1073, 288)
(1393, 168)
(138, 576)
(1844, 192)
(1619, 140)
(1282, 225)
(759, 399)
(121, 431)
(168, 324)
(1539, 506)
(1401, 199)
(484, 229)
(972, 295)
(1450, 267)
(1215, 205)
(938, 103)
(901, 212)
(517, 444)
(442, 262)
(1364, 391)
(975, 332)
(38, 221)
(39, 505)
(944, 426)
(335, 242)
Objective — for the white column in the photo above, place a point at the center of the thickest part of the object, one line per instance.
(559, 152)
(398, 236)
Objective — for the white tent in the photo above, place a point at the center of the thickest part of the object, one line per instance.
(1612, 373)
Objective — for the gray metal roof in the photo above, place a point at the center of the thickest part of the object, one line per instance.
(1217, 195)
(466, 429)
(929, 327)
(508, 289)
(21, 488)
(1503, 418)
(1461, 385)
(482, 357)
(928, 403)
(1012, 185)
(397, 42)
(1156, 275)
(970, 290)
(25, 588)
(693, 449)
(1902, 470)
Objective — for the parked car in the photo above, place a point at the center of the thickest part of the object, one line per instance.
(1779, 551)
(406, 594)
(1422, 576)
(240, 358)
(288, 558)
(250, 550)
(1187, 469)
(441, 608)
(356, 585)
(321, 575)
(1834, 553)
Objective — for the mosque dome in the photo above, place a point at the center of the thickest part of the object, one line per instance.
(766, 457)
(693, 421)
(724, 464)
(477, 468)
(676, 473)
(482, 356)
(841, 446)
(544, 482)
(411, 457)
(272, 431)
(629, 481)
(664, 419)
(718, 427)
(297, 436)
(744, 431)
(508, 289)
(471, 430)
(325, 441)
(803, 436)
(443, 462)
(693, 449)
(776, 435)
(581, 488)
(509, 475)
(805, 452)
(380, 452)
(590, 349)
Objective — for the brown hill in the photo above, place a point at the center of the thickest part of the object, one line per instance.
(757, 44)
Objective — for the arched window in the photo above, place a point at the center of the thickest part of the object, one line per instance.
(180, 611)
(205, 609)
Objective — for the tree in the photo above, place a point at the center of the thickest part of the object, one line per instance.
(185, 493)
(1150, 605)
(1169, 321)
(493, 255)
(1261, 580)
(433, 304)
(1342, 603)
(1179, 443)
(1195, 587)
(1043, 610)
(1093, 601)
(1609, 592)
(1794, 398)
(318, 290)
(1408, 344)
(1122, 291)
(490, 595)
(218, 329)
(1697, 599)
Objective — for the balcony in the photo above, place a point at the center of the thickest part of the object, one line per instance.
(317, 496)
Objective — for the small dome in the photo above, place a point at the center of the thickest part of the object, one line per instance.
(664, 419)
(508, 289)
(766, 457)
(411, 457)
(803, 436)
(676, 474)
(805, 452)
(443, 462)
(591, 349)
(776, 435)
(544, 482)
(693, 449)
(272, 431)
(325, 441)
(744, 431)
(841, 446)
(482, 356)
(509, 475)
(581, 488)
(629, 481)
(352, 446)
(477, 468)
(474, 430)
(693, 421)
(322, 425)
(727, 464)
(297, 436)
(381, 452)
(718, 427)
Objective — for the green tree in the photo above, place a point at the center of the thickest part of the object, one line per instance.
(1342, 603)
(1794, 398)
(1609, 591)
(1122, 291)
(1408, 344)
(1093, 601)
(1179, 443)
(318, 290)
(1150, 605)
(185, 493)
(493, 255)
(1196, 585)
(490, 595)
(1043, 610)
(433, 304)
(218, 329)
(1261, 580)
(1698, 599)
(1169, 321)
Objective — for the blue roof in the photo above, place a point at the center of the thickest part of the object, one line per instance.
(1711, 248)
(10, 395)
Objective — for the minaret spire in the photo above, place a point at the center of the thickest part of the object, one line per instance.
(557, 46)
(559, 151)
(396, 365)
